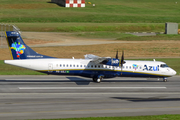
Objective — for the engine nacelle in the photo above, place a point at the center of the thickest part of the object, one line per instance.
(113, 62)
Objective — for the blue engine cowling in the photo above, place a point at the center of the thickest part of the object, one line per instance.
(112, 62)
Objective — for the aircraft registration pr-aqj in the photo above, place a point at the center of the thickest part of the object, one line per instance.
(92, 66)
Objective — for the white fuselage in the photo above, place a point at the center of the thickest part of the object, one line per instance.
(84, 66)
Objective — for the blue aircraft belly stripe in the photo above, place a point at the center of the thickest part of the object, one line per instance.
(104, 72)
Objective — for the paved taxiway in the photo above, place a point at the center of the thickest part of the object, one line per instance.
(32, 97)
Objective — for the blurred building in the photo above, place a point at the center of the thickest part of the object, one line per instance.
(70, 3)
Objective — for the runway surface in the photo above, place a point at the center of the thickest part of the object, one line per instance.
(37, 97)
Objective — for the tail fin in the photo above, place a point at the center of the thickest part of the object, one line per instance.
(18, 49)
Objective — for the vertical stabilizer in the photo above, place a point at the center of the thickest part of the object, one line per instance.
(18, 49)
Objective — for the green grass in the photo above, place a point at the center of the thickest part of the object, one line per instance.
(105, 11)
(126, 37)
(148, 38)
(91, 27)
(151, 117)
(13, 70)
(113, 15)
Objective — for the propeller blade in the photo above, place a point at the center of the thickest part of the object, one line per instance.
(117, 54)
(122, 58)
(122, 61)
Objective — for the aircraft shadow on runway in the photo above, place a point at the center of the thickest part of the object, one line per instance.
(152, 99)
(81, 81)
(77, 80)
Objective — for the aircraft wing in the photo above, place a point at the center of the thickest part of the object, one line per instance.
(97, 59)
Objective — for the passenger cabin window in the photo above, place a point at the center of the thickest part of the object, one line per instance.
(91, 66)
(80, 65)
(163, 65)
(60, 65)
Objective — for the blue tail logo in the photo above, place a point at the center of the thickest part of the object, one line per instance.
(19, 48)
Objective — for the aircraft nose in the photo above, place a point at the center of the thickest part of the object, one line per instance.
(174, 72)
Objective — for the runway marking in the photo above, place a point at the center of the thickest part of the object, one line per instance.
(80, 88)
(33, 79)
(99, 93)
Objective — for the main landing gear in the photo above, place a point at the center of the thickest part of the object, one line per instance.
(99, 79)
(164, 79)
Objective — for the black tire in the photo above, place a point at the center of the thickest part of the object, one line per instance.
(94, 79)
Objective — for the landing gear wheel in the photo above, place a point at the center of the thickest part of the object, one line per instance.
(164, 79)
(99, 80)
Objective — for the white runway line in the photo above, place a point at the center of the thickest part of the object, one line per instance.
(33, 79)
(99, 93)
(79, 88)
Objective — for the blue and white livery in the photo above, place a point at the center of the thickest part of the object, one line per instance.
(92, 66)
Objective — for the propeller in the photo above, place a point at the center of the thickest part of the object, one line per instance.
(122, 61)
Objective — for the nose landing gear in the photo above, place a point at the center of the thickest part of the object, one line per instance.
(164, 79)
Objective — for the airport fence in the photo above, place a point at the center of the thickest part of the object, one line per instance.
(4, 28)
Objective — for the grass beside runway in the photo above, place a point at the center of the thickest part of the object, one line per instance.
(114, 15)
(91, 27)
(102, 30)
(13, 70)
(126, 37)
(106, 11)
(151, 117)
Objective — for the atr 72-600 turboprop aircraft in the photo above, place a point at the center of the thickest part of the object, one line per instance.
(92, 66)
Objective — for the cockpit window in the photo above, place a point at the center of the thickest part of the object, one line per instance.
(163, 65)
